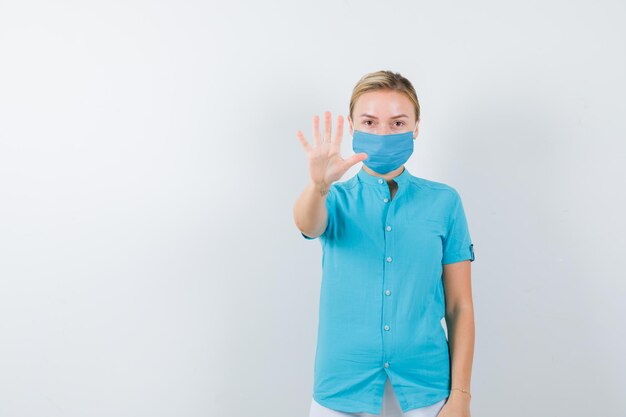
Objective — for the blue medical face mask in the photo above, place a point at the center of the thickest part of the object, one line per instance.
(384, 152)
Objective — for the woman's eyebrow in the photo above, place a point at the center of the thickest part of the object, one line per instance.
(374, 117)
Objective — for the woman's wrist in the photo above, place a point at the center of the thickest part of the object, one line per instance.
(320, 188)
(459, 394)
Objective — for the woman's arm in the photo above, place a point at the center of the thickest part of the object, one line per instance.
(460, 323)
(325, 167)
(309, 211)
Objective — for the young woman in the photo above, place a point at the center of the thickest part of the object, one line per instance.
(396, 261)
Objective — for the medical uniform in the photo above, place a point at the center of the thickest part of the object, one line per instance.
(382, 298)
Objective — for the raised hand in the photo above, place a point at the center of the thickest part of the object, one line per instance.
(325, 162)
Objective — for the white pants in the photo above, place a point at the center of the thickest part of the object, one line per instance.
(391, 408)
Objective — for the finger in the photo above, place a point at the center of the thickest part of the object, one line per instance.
(316, 130)
(304, 142)
(338, 132)
(327, 125)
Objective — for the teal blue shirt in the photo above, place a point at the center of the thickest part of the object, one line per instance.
(382, 298)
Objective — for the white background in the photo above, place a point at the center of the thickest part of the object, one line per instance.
(149, 262)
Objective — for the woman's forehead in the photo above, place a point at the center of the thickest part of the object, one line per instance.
(383, 104)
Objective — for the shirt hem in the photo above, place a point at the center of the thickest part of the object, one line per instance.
(348, 406)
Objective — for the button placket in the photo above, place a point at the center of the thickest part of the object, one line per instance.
(388, 276)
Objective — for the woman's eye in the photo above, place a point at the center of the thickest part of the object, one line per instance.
(367, 121)
(401, 123)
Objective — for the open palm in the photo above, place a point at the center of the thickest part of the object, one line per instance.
(325, 162)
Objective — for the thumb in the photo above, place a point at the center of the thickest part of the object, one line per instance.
(356, 158)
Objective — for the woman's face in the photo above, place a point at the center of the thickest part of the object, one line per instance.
(383, 112)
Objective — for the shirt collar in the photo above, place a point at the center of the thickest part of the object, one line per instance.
(402, 178)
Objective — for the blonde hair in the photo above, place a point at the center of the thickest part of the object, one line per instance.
(385, 80)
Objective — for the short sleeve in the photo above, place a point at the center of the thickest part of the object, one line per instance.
(457, 244)
(330, 208)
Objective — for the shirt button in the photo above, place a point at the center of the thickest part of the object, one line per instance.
(387, 292)
(386, 200)
(388, 258)
(380, 180)
(386, 364)
(386, 327)
(389, 228)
